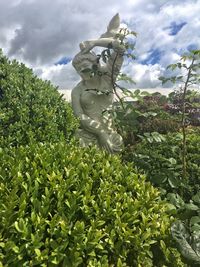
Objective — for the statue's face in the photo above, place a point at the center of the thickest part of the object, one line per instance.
(86, 70)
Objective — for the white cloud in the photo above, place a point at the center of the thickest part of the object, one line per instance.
(63, 76)
(42, 32)
(145, 76)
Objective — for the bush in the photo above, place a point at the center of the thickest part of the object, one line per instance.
(162, 123)
(162, 163)
(192, 105)
(146, 115)
(66, 206)
(31, 109)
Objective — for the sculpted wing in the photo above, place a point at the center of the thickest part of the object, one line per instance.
(113, 27)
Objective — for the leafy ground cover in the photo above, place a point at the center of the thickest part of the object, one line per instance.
(156, 146)
(161, 161)
(172, 161)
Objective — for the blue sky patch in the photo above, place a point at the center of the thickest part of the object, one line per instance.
(192, 47)
(184, 50)
(63, 61)
(153, 57)
(175, 27)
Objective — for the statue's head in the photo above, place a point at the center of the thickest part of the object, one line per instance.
(84, 64)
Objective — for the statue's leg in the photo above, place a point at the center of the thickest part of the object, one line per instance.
(86, 138)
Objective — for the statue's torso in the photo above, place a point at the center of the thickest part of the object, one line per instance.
(96, 98)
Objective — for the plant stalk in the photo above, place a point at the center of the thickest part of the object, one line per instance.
(183, 124)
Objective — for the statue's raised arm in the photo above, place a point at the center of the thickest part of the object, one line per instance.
(94, 94)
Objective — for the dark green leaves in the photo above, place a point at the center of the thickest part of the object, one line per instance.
(189, 247)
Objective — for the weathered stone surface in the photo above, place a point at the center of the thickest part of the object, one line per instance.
(92, 98)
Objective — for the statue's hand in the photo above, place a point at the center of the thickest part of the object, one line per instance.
(118, 47)
(86, 45)
(112, 142)
(104, 141)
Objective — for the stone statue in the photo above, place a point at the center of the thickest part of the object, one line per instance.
(93, 96)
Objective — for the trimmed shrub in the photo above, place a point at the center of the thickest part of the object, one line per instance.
(65, 206)
(31, 109)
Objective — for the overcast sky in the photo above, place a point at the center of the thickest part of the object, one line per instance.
(45, 34)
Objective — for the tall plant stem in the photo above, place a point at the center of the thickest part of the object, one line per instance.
(114, 83)
(183, 123)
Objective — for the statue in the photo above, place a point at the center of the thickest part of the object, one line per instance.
(93, 96)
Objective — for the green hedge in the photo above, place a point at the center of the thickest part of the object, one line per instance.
(65, 206)
(30, 108)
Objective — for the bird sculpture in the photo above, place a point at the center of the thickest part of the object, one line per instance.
(113, 27)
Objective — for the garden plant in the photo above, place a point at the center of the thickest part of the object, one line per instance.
(63, 205)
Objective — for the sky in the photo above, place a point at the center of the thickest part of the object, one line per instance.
(45, 34)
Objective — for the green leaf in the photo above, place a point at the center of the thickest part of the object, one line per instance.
(159, 179)
(37, 252)
(172, 161)
(19, 225)
(195, 219)
(176, 200)
(180, 234)
(172, 66)
(196, 198)
(133, 33)
(174, 182)
(191, 206)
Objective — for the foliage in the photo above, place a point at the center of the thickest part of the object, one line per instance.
(145, 118)
(183, 232)
(187, 235)
(190, 65)
(132, 118)
(61, 205)
(192, 102)
(189, 62)
(31, 109)
(144, 115)
(161, 161)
